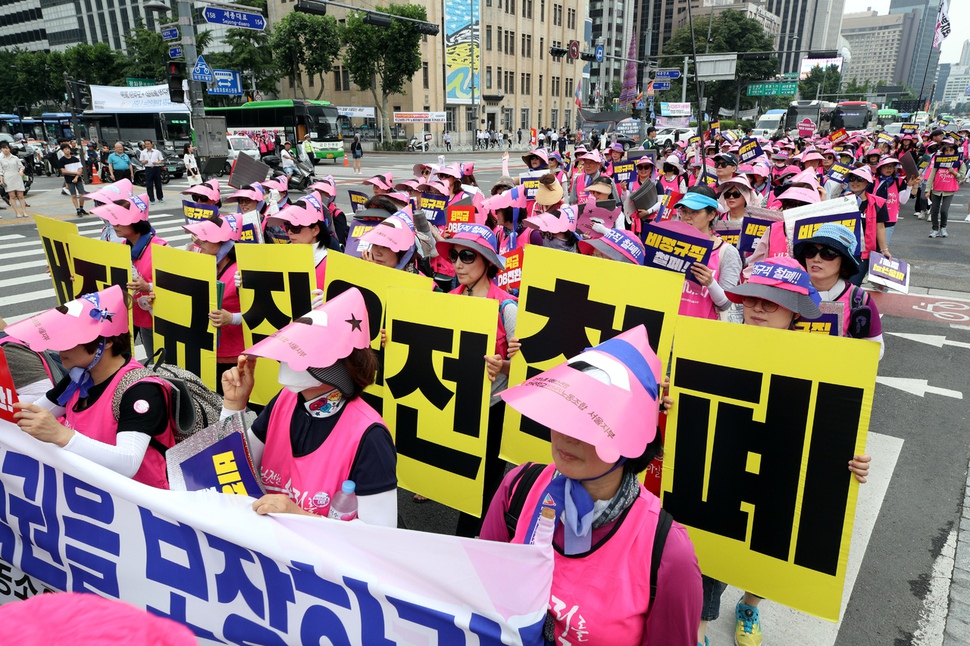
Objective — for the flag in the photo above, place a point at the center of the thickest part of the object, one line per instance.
(942, 24)
(579, 94)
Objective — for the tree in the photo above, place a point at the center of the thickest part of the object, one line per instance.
(250, 53)
(855, 91)
(731, 31)
(95, 64)
(147, 53)
(821, 84)
(305, 44)
(383, 59)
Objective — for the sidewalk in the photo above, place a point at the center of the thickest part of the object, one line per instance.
(957, 631)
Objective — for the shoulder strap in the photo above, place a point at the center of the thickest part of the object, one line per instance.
(858, 297)
(520, 487)
(664, 522)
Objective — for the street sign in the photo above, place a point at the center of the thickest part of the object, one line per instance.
(640, 105)
(773, 88)
(172, 33)
(202, 72)
(599, 53)
(660, 86)
(574, 49)
(790, 76)
(228, 83)
(139, 82)
(234, 18)
(175, 52)
(667, 75)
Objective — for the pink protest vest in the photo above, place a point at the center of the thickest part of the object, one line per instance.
(143, 265)
(499, 294)
(230, 336)
(582, 181)
(321, 271)
(846, 299)
(670, 186)
(777, 242)
(695, 300)
(869, 223)
(98, 422)
(601, 598)
(40, 355)
(945, 181)
(312, 480)
(890, 192)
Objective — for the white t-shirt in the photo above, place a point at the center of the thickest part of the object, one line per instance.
(287, 158)
(153, 157)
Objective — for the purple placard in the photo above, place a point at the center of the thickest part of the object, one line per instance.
(889, 272)
(804, 228)
(750, 149)
(948, 161)
(751, 231)
(195, 212)
(223, 466)
(358, 228)
(674, 251)
(434, 208)
(623, 172)
(827, 323)
(357, 200)
(839, 172)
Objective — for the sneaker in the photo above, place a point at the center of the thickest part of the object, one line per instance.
(80, 213)
(934, 233)
(747, 631)
(161, 201)
(942, 232)
(919, 215)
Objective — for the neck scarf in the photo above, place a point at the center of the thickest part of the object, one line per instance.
(139, 247)
(81, 380)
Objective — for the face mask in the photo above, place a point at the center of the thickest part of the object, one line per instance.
(295, 381)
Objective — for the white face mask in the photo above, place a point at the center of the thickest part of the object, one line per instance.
(295, 381)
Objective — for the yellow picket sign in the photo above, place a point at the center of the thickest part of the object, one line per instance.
(276, 285)
(185, 293)
(98, 264)
(569, 302)
(756, 454)
(437, 392)
(55, 236)
(373, 281)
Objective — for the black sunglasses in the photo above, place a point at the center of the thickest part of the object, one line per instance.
(293, 228)
(466, 256)
(732, 195)
(721, 164)
(825, 252)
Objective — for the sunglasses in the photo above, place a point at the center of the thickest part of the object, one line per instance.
(732, 195)
(426, 171)
(721, 164)
(825, 252)
(752, 301)
(466, 256)
(293, 228)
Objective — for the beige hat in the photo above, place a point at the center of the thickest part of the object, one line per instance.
(549, 194)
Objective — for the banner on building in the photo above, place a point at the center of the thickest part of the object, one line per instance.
(436, 392)
(207, 560)
(462, 51)
(420, 117)
(756, 455)
(569, 302)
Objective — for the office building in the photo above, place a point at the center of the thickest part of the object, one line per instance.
(925, 56)
(806, 25)
(613, 27)
(751, 10)
(955, 84)
(965, 53)
(882, 46)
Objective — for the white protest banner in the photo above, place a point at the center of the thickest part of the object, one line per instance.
(207, 560)
(107, 98)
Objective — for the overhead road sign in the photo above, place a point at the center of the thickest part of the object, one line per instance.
(202, 72)
(660, 86)
(228, 83)
(773, 88)
(233, 18)
(175, 52)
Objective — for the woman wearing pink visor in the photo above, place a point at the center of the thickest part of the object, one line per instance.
(91, 335)
(205, 193)
(392, 244)
(606, 521)
(318, 432)
(131, 225)
(217, 237)
(304, 223)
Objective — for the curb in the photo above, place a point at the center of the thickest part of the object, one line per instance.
(957, 630)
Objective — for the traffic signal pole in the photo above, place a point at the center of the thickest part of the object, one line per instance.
(187, 31)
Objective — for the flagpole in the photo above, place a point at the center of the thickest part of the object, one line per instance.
(929, 55)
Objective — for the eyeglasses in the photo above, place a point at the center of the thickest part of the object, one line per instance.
(826, 253)
(293, 228)
(466, 256)
(721, 164)
(732, 195)
(752, 301)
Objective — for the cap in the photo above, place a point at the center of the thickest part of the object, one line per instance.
(562, 220)
(301, 213)
(783, 281)
(504, 180)
(336, 328)
(325, 186)
(618, 147)
(729, 158)
(477, 237)
(116, 192)
(549, 194)
(85, 319)
(606, 396)
(279, 183)
(798, 194)
(252, 192)
(697, 201)
(617, 245)
(863, 172)
(392, 233)
(600, 187)
(593, 155)
(836, 236)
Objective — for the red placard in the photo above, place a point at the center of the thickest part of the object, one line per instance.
(511, 277)
(459, 215)
(838, 136)
(8, 392)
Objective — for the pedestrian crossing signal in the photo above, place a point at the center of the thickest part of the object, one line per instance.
(176, 74)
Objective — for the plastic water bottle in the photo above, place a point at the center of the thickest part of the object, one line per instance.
(344, 503)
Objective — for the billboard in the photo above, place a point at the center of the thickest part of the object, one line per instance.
(809, 63)
(462, 51)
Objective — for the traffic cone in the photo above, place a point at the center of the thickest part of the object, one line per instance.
(346, 161)
(95, 179)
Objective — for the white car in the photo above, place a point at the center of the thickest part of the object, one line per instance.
(673, 135)
(239, 144)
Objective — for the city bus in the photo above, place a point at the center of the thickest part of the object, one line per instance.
(293, 119)
(172, 129)
(888, 116)
(50, 126)
(818, 112)
(855, 116)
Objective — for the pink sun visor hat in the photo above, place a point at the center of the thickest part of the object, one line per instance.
(97, 314)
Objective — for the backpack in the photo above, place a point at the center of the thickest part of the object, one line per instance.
(51, 360)
(522, 484)
(193, 406)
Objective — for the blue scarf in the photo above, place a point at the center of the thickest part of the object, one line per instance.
(139, 247)
(81, 380)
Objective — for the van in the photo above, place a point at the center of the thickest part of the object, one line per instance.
(239, 144)
(769, 123)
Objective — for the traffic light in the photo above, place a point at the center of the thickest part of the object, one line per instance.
(176, 74)
(377, 19)
(82, 96)
(307, 6)
(558, 52)
(428, 28)
(755, 56)
(822, 54)
(588, 56)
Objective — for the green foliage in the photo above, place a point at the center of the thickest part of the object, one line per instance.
(855, 91)
(731, 31)
(828, 80)
(393, 146)
(95, 64)
(147, 53)
(304, 43)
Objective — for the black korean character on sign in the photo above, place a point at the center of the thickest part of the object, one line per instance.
(90, 277)
(418, 373)
(59, 260)
(571, 313)
(194, 337)
(264, 307)
(758, 462)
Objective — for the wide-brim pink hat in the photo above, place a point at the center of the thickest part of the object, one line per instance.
(210, 190)
(117, 215)
(123, 189)
(209, 231)
(97, 314)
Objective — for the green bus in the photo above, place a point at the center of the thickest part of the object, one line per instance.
(293, 119)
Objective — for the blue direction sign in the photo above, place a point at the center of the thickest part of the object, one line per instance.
(234, 18)
(660, 86)
(175, 52)
(228, 83)
(172, 33)
(667, 75)
(599, 53)
(202, 72)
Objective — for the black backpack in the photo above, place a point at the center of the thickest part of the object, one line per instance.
(522, 484)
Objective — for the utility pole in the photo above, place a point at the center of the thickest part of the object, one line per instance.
(69, 83)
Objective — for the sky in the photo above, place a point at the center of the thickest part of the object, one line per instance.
(959, 20)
